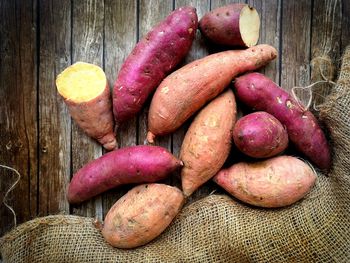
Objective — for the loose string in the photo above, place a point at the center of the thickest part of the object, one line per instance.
(9, 190)
(309, 89)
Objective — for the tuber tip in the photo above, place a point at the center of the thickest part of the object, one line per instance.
(111, 145)
(150, 137)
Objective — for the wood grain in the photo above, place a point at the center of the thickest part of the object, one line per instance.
(345, 29)
(270, 13)
(87, 46)
(120, 38)
(54, 120)
(18, 109)
(296, 23)
(219, 3)
(325, 45)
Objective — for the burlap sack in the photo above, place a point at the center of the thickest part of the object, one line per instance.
(218, 228)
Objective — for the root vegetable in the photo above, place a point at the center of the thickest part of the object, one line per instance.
(276, 182)
(207, 142)
(141, 215)
(232, 25)
(186, 90)
(260, 135)
(261, 93)
(85, 91)
(134, 164)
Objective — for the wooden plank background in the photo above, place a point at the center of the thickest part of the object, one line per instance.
(39, 38)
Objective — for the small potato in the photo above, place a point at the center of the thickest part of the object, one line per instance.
(260, 135)
(276, 182)
(141, 215)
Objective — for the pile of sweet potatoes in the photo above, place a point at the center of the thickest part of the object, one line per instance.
(207, 89)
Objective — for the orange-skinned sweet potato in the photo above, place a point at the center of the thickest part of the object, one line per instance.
(141, 215)
(207, 142)
(186, 90)
(275, 182)
(85, 91)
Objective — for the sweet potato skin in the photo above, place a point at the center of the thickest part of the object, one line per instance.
(207, 142)
(151, 60)
(275, 182)
(141, 215)
(95, 118)
(261, 93)
(260, 135)
(186, 90)
(134, 164)
(221, 25)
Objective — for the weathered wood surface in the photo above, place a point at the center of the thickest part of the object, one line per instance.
(39, 38)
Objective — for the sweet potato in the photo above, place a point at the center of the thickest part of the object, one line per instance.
(260, 135)
(151, 60)
(261, 93)
(276, 182)
(134, 164)
(231, 25)
(207, 142)
(141, 215)
(186, 90)
(85, 91)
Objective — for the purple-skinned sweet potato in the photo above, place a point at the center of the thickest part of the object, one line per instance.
(231, 25)
(261, 93)
(275, 182)
(260, 135)
(134, 164)
(141, 215)
(152, 59)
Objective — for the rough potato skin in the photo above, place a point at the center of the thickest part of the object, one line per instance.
(207, 142)
(261, 93)
(276, 182)
(221, 25)
(141, 215)
(186, 90)
(151, 60)
(134, 164)
(95, 118)
(260, 135)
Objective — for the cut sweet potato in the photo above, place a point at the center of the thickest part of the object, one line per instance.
(232, 25)
(85, 91)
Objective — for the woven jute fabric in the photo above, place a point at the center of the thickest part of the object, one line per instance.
(219, 228)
